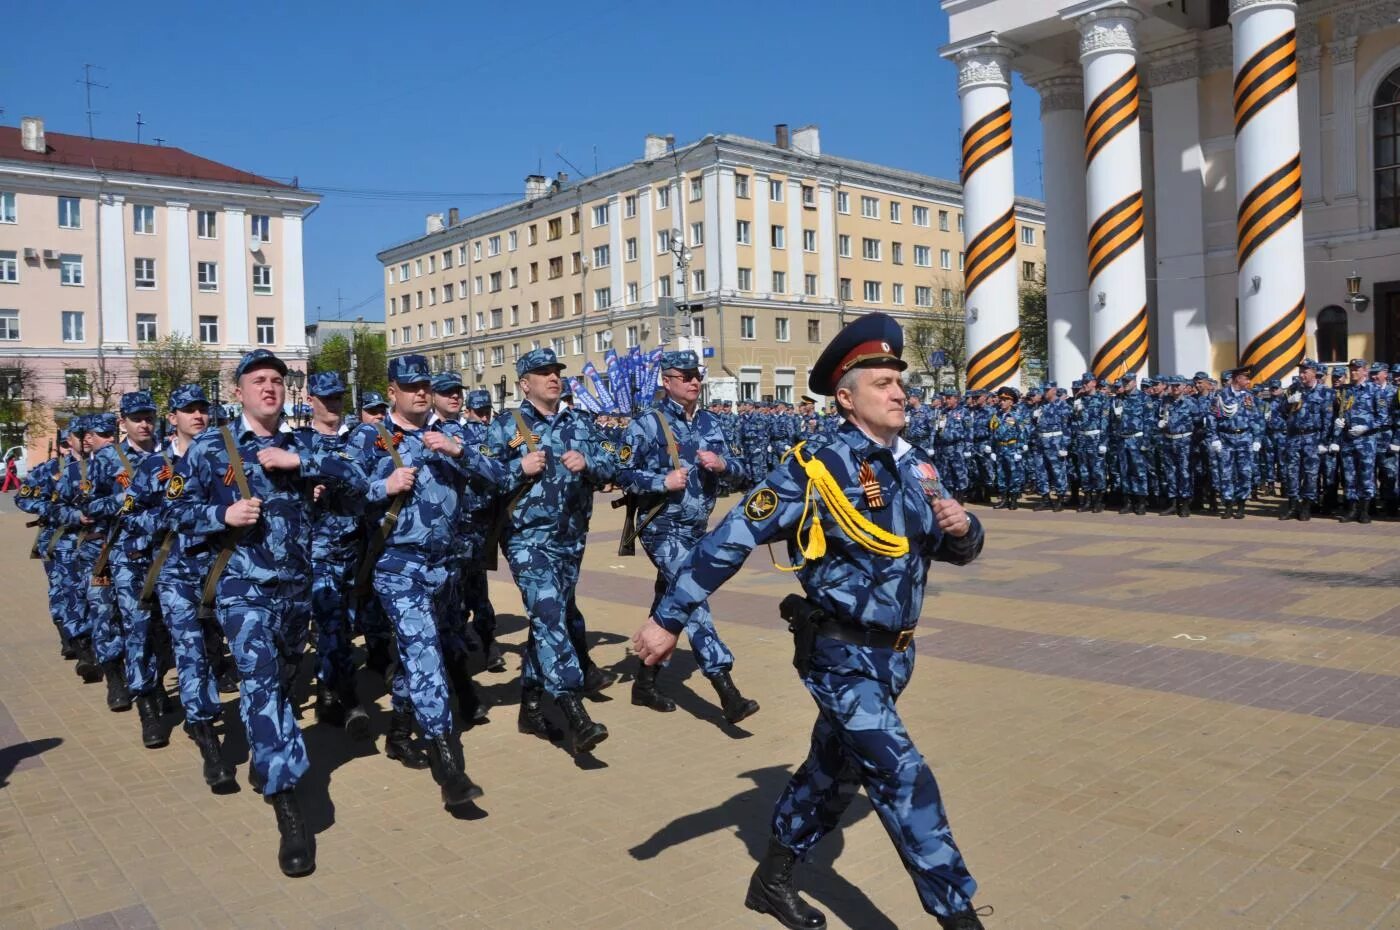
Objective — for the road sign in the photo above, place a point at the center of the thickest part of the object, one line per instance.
(709, 352)
(937, 358)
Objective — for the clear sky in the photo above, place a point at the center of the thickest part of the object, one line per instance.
(395, 110)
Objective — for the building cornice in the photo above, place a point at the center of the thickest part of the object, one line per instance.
(50, 179)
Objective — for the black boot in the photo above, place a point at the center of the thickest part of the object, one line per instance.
(1057, 504)
(1348, 515)
(449, 771)
(1168, 509)
(218, 774)
(1289, 509)
(66, 647)
(118, 697)
(495, 662)
(226, 675)
(378, 657)
(584, 732)
(1226, 509)
(1364, 512)
(1012, 502)
(595, 679)
(295, 854)
(1086, 502)
(153, 735)
(1042, 505)
(771, 891)
(532, 720)
(1098, 502)
(471, 705)
(398, 743)
(1127, 507)
(1239, 510)
(1183, 507)
(736, 706)
(644, 693)
(87, 668)
(329, 708)
(1305, 510)
(962, 920)
(1002, 504)
(1140, 505)
(356, 716)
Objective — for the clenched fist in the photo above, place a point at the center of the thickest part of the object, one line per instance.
(244, 512)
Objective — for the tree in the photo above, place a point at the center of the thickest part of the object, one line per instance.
(103, 384)
(1035, 343)
(20, 406)
(174, 360)
(371, 358)
(944, 330)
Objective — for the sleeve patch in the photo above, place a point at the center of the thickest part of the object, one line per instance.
(175, 488)
(624, 454)
(761, 504)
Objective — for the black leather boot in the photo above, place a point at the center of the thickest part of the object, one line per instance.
(1086, 502)
(471, 705)
(329, 708)
(1363, 512)
(226, 675)
(1183, 507)
(1042, 505)
(1140, 505)
(66, 647)
(153, 734)
(450, 773)
(1012, 502)
(644, 693)
(1239, 510)
(398, 743)
(771, 891)
(1305, 510)
(218, 774)
(87, 668)
(295, 854)
(1289, 509)
(963, 920)
(1169, 509)
(584, 732)
(1098, 502)
(595, 679)
(118, 697)
(356, 716)
(495, 662)
(378, 657)
(1057, 504)
(1003, 503)
(1127, 507)
(1349, 515)
(532, 720)
(736, 706)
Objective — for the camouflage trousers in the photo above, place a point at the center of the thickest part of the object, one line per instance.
(1053, 474)
(860, 740)
(67, 611)
(477, 598)
(139, 626)
(1300, 466)
(1358, 464)
(668, 553)
(409, 593)
(266, 630)
(1176, 467)
(331, 580)
(556, 653)
(1236, 458)
(179, 608)
(1133, 464)
(108, 639)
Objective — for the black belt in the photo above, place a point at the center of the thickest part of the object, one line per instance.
(1233, 432)
(860, 636)
(1303, 432)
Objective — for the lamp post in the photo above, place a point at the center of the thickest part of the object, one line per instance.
(683, 257)
(296, 380)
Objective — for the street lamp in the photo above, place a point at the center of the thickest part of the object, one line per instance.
(683, 257)
(1354, 296)
(143, 380)
(296, 380)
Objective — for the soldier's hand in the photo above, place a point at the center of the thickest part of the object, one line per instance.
(1322, 448)
(400, 480)
(441, 442)
(711, 461)
(675, 479)
(84, 519)
(1339, 423)
(574, 461)
(1334, 448)
(1216, 445)
(952, 518)
(1103, 450)
(243, 512)
(274, 459)
(653, 643)
(532, 463)
(317, 491)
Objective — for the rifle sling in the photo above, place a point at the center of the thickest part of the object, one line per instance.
(233, 536)
(493, 538)
(673, 450)
(99, 565)
(148, 586)
(386, 526)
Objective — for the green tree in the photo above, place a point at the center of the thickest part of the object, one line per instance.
(945, 330)
(20, 406)
(371, 358)
(1035, 344)
(172, 361)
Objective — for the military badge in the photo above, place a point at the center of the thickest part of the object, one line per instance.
(164, 474)
(124, 480)
(624, 455)
(485, 450)
(229, 476)
(175, 488)
(85, 487)
(761, 504)
(608, 446)
(128, 505)
(516, 441)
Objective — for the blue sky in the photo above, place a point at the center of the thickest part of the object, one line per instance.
(416, 108)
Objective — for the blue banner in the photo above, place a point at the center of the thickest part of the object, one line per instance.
(605, 399)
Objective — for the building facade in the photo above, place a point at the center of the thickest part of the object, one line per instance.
(107, 247)
(766, 248)
(1227, 173)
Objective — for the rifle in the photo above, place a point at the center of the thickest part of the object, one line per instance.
(364, 577)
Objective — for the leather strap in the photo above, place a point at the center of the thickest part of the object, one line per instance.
(233, 536)
(148, 587)
(674, 451)
(386, 526)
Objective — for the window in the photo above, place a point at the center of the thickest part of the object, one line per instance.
(600, 215)
(809, 285)
(741, 186)
(495, 281)
(208, 274)
(870, 249)
(432, 328)
(267, 331)
(393, 306)
(432, 297)
(75, 384)
(746, 327)
(73, 326)
(513, 277)
(809, 196)
(1332, 334)
(663, 285)
(9, 267)
(946, 298)
(493, 246)
(262, 227)
(602, 256)
(894, 211)
(1028, 235)
(576, 263)
(780, 329)
(556, 269)
(447, 293)
(70, 213)
(923, 296)
(532, 234)
(70, 270)
(697, 280)
(629, 210)
(943, 220)
(462, 254)
(945, 259)
(553, 230)
(602, 298)
(897, 294)
(209, 329)
(432, 264)
(697, 188)
(403, 272)
(844, 288)
(663, 241)
(870, 208)
(1386, 118)
(630, 249)
(896, 253)
(814, 331)
(578, 344)
(498, 356)
(775, 191)
(632, 339)
(663, 197)
(497, 318)
(418, 267)
(697, 326)
(143, 219)
(843, 202)
(449, 326)
(809, 240)
(960, 261)
(556, 308)
(144, 274)
(599, 343)
(446, 260)
(872, 292)
(573, 222)
(512, 240)
(9, 325)
(920, 216)
(145, 327)
(745, 279)
(262, 280)
(1027, 271)
(741, 232)
(843, 245)
(960, 222)
(923, 256)
(7, 207)
(418, 300)
(697, 234)
(779, 237)
(632, 292)
(207, 224)
(779, 282)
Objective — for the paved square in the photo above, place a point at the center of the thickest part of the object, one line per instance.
(1137, 722)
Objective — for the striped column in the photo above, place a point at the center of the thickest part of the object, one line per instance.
(1113, 192)
(989, 224)
(1269, 187)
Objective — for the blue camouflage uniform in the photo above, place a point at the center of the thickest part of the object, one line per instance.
(1387, 438)
(35, 497)
(1230, 429)
(1009, 430)
(1089, 419)
(1175, 423)
(1358, 418)
(476, 525)
(1306, 414)
(1051, 425)
(1132, 411)
(955, 434)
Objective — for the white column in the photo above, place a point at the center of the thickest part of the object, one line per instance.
(1268, 188)
(1066, 261)
(989, 226)
(720, 265)
(646, 245)
(1149, 211)
(715, 184)
(794, 236)
(762, 237)
(175, 277)
(1183, 338)
(826, 239)
(235, 278)
(293, 284)
(1343, 53)
(112, 257)
(615, 263)
(1113, 157)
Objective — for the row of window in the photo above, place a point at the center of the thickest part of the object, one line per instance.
(74, 327)
(71, 274)
(143, 218)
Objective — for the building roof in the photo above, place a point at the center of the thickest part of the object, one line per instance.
(129, 157)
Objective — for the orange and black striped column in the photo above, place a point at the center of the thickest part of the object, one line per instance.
(1118, 338)
(1268, 187)
(989, 221)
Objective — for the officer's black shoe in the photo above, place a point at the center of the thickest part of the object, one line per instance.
(450, 773)
(1169, 509)
(1002, 504)
(1140, 505)
(495, 662)
(1057, 505)
(1289, 509)
(1226, 511)
(644, 693)
(584, 732)
(1183, 507)
(378, 657)
(532, 719)
(1364, 512)
(1348, 515)
(153, 734)
(1305, 510)
(218, 774)
(1127, 505)
(736, 706)
(357, 722)
(1042, 505)
(771, 891)
(964, 920)
(118, 697)
(1239, 510)
(595, 679)
(295, 854)
(66, 647)
(398, 743)
(1086, 503)
(330, 710)
(1098, 502)
(474, 709)
(87, 668)
(1012, 502)
(226, 676)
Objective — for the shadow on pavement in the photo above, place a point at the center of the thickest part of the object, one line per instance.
(12, 756)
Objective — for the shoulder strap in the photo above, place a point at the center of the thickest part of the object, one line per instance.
(523, 431)
(377, 543)
(235, 461)
(126, 462)
(232, 537)
(387, 438)
(672, 448)
(82, 468)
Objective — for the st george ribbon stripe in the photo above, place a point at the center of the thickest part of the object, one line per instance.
(1279, 348)
(1111, 112)
(1271, 205)
(985, 140)
(989, 250)
(1126, 351)
(1271, 72)
(995, 361)
(1112, 234)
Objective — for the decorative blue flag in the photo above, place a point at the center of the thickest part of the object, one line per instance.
(605, 398)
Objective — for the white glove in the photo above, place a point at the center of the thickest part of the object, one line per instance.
(1118, 410)
(1322, 448)
(967, 455)
(1394, 447)
(1035, 414)
(1294, 398)
(1016, 456)
(987, 450)
(1339, 423)
(1078, 404)
(994, 456)
(1358, 430)
(1162, 423)
(1334, 448)
(1063, 453)
(1103, 450)
(1256, 447)
(1216, 445)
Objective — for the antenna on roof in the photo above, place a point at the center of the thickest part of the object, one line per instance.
(159, 141)
(88, 84)
(139, 123)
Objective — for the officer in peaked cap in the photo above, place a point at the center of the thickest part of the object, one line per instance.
(864, 585)
(373, 407)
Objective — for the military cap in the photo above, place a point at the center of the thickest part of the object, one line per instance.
(948, 392)
(1009, 391)
(873, 339)
(1273, 384)
(1357, 363)
(325, 384)
(684, 360)
(372, 399)
(1379, 366)
(1049, 385)
(186, 395)
(1200, 376)
(102, 423)
(478, 400)
(916, 392)
(1128, 376)
(1149, 382)
(409, 369)
(539, 359)
(1088, 376)
(728, 403)
(1318, 367)
(1395, 369)
(78, 424)
(1033, 389)
(1229, 373)
(137, 402)
(259, 358)
(1076, 385)
(1339, 371)
(447, 381)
